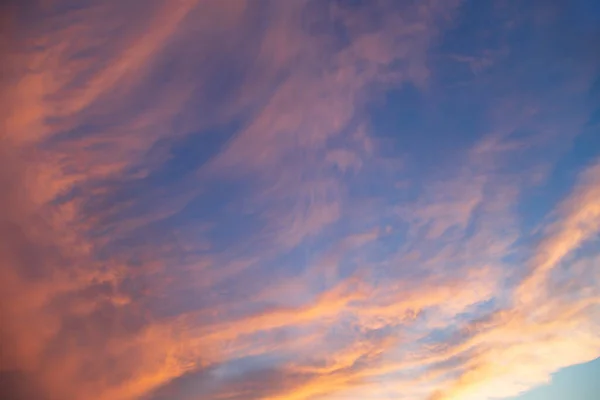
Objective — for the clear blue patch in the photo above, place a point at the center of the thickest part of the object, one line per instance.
(579, 382)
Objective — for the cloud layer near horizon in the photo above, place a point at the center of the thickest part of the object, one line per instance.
(297, 200)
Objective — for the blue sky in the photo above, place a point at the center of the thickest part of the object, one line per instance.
(578, 382)
(300, 200)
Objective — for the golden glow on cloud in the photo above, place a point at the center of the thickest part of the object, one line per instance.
(276, 267)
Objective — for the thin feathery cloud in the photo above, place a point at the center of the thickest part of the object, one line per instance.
(201, 198)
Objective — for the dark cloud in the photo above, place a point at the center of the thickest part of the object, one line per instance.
(17, 385)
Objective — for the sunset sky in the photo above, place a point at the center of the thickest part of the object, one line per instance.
(300, 200)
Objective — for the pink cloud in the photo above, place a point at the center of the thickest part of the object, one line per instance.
(111, 296)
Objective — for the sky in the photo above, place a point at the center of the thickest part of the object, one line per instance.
(299, 199)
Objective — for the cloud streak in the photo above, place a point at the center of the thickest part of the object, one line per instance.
(294, 200)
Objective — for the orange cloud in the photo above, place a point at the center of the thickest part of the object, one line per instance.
(543, 331)
(119, 280)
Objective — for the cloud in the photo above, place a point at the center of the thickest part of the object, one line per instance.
(195, 201)
(534, 336)
(578, 222)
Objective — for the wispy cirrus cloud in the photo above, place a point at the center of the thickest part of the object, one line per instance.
(201, 198)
